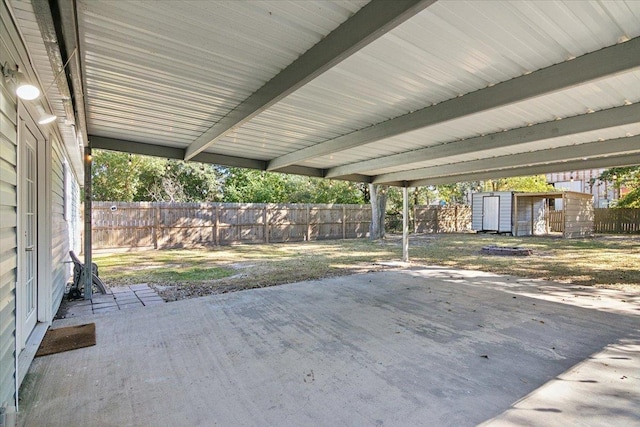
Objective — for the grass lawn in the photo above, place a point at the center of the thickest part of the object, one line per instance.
(604, 261)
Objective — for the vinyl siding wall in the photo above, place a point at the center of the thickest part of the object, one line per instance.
(60, 243)
(59, 234)
(8, 224)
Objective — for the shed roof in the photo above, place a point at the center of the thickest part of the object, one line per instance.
(410, 92)
(556, 194)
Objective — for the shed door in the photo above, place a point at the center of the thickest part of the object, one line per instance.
(490, 213)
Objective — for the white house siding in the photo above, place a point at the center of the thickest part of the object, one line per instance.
(60, 243)
(8, 226)
(74, 220)
(61, 219)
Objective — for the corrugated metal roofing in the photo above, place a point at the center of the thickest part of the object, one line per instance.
(596, 96)
(451, 48)
(165, 72)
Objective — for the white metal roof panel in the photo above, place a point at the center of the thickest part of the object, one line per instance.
(532, 147)
(198, 60)
(165, 72)
(450, 49)
(600, 95)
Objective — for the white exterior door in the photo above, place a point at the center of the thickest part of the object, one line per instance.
(28, 234)
(490, 213)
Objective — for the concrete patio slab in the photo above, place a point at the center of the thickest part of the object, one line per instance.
(428, 346)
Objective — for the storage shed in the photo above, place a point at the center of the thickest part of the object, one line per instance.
(531, 214)
(491, 212)
(528, 214)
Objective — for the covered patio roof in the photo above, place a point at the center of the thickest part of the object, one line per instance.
(407, 93)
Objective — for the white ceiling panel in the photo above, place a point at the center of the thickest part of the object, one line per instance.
(195, 58)
(172, 73)
(450, 49)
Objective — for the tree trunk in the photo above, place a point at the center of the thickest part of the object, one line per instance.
(378, 197)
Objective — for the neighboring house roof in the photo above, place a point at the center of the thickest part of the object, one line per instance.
(405, 93)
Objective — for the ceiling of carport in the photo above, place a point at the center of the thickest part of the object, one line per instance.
(421, 92)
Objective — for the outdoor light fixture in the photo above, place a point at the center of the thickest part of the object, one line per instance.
(44, 117)
(24, 88)
(27, 91)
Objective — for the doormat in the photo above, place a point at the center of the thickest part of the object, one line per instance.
(69, 338)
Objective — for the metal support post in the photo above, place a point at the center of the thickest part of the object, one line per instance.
(88, 276)
(405, 224)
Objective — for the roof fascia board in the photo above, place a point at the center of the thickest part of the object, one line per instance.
(612, 117)
(132, 147)
(624, 145)
(602, 162)
(369, 23)
(125, 146)
(591, 66)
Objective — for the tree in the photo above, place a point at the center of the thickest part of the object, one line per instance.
(529, 184)
(252, 186)
(113, 176)
(627, 178)
(129, 177)
(454, 194)
(378, 197)
(418, 196)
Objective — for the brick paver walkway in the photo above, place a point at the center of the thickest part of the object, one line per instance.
(118, 298)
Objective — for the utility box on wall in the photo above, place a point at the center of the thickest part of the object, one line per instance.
(492, 211)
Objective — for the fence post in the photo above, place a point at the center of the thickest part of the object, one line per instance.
(308, 223)
(216, 226)
(238, 227)
(437, 219)
(344, 222)
(455, 218)
(265, 219)
(212, 221)
(156, 226)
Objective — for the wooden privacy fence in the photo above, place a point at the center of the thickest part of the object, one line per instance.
(556, 221)
(614, 221)
(456, 219)
(618, 220)
(441, 219)
(164, 225)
